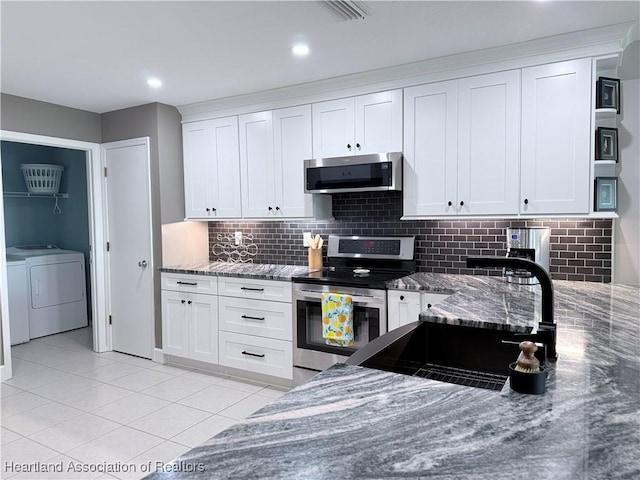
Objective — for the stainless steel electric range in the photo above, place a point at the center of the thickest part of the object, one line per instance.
(359, 266)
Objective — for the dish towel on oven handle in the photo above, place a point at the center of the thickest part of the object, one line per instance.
(337, 319)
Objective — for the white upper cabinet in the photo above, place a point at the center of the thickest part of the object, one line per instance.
(292, 146)
(334, 128)
(462, 141)
(489, 144)
(257, 165)
(273, 147)
(556, 134)
(358, 125)
(430, 149)
(211, 169)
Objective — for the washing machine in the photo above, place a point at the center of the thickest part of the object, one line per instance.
(18, 311)
(56, 288)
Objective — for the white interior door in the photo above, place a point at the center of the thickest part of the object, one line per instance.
(130, 250)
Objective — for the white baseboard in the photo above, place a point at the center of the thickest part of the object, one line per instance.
(4, 373)
(158, 356)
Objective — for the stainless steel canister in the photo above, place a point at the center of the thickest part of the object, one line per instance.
(531, 243)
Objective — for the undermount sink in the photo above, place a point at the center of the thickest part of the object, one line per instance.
(472, 356)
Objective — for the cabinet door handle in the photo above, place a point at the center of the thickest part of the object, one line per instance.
(213, 209)
(461, 203)
(252, 289)
(194, 284)
(182, 301)
(349, 146)
(401, 297)
(207, 209)
(270, 208)
(253, 354)
(252, 318)
(189, 302)
(358, 146)
(526, 201)
(277, 208)
(449, 203)
(428, 305)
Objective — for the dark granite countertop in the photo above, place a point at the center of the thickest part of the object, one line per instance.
(353, 422)
(477, 300)
(246, 270)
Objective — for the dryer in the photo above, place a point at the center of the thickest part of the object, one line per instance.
(56, 288)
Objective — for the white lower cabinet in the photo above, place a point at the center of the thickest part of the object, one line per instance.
(242, 323)
(267, 356)
(256, 317)
(190, 326)
(404, 307)
(256, 326)
(256, 289)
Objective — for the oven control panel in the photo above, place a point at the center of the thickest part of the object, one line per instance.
(393, 248)
(377, 247)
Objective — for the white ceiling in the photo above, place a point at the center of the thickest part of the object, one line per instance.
(96, 56)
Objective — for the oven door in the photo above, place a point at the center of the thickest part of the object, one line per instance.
(310, 349)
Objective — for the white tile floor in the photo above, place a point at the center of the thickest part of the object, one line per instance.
(67, 406)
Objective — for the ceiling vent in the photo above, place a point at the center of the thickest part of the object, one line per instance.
(348, 9)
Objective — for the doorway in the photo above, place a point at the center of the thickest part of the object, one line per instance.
(93, 212)
(61, 220)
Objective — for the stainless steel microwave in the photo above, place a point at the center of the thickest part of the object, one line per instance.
(360, 173)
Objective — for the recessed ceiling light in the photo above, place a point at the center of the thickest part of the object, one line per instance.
(154, 82)
(300, 49)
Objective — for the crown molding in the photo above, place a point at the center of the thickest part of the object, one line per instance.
(585, 43)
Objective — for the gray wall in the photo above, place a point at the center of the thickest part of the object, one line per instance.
(170, 162)
(18, 114)
(161, 123)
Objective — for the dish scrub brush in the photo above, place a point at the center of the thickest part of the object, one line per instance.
(527, 362)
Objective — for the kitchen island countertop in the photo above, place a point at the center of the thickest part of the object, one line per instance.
(263, 271)
(479, 301)
(354, 422)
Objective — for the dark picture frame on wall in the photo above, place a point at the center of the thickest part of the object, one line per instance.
(606, 194)
(608, 93)
(607, 144)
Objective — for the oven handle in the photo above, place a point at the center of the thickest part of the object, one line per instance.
(316, 296)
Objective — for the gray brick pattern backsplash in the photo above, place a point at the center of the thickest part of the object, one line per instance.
(580, 248)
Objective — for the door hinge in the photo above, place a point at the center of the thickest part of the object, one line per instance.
(110, 320)
(108, 246)
(105, 171)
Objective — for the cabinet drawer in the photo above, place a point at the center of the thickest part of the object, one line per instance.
(181, 282)
(256, 317)
(256, 354)
(254, 288)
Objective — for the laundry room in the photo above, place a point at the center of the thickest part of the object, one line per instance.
(47, 237)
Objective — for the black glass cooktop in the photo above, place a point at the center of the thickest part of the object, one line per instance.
(357, 277)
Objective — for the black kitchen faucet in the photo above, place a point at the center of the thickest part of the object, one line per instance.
(547, 326)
